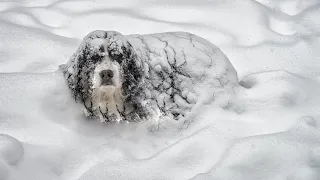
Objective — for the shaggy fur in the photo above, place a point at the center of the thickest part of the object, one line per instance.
(122, 101)
(116, 82)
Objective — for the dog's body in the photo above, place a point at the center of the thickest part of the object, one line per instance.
(138, 77)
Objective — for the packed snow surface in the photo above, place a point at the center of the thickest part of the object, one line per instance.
(269, 130)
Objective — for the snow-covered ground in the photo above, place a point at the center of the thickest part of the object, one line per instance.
(269, 131)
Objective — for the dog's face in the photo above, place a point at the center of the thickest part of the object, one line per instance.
(107, 74)
(104, 70)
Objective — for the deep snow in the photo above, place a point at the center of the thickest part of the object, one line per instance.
(269, 131)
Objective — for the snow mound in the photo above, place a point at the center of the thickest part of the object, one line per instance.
(292, 155)
(11, 150)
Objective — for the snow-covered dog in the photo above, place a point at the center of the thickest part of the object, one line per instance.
(138, 77)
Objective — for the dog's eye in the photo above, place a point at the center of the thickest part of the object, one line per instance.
(117, 57)
(98, 54)
(96, 58)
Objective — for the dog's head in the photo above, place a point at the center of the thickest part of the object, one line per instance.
(107, 62)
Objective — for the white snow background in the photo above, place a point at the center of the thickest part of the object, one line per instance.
(271, 130)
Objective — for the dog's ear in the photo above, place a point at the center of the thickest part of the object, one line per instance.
(79, 68)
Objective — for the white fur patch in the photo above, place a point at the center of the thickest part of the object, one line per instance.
(107, 98)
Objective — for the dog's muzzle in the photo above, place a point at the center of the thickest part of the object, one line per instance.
(106, 77)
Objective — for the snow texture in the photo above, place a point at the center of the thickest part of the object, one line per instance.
(267, 129)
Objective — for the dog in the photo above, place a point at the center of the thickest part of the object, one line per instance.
(141, 77)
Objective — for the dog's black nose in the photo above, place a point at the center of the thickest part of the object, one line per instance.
(106, 74)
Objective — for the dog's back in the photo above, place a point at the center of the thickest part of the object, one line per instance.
(183, 69)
